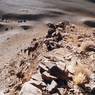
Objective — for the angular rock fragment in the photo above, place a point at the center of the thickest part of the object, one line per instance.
(37, 77)
(49, 64)
(38, 84)
(93, 91)
(50, 25)
(29, 89)
(87, 46)
(52, 45)
(62, 24)
(43, 67)
(50, 32)
(71, 68)
(31, 48)
(47, 76)
(51, 86)
(61, 65)
(62, 91)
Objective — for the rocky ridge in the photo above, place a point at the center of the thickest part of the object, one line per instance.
(60, 63)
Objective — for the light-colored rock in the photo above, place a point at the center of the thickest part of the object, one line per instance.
(92, 76)
(29, 89)
(37, 76)
(38, 84)
(55, 94)
(42, 66)
(61, 65)
(68, 56)
(49, 64)
(47, 76)
(1, 93)
(35, 82)
(51, 86)
(87, 44)
(71, 68)
(62, 91)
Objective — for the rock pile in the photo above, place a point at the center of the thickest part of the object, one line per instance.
(64, 75)
(55, 35)
(54, 78)
(49, 80)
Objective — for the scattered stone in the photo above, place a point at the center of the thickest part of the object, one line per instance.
(62, 91)
(50, 25)
(47, 76)
(54, 35)
(61, 65)
(49, 64)
(52, 45)
(93, 91)
(50, 32)
(88, 46)
(29, 89)
(52, 86)
(33, 47)
(62, 24)
(57, 73)
(37, 77)
(37, 84)
(43, 67)
(71, 68)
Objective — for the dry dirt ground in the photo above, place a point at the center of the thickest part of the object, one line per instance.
(21, 53)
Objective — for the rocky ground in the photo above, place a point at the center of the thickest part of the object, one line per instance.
(62, 62)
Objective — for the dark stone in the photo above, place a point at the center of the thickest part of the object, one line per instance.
(90, 48)
(61, 83)
(93, 91)
(20, 75)
(52, 45)
(50, 32)
(59, 37)
(6, 29)
(25, 27)
(50, 25)
(31, 48)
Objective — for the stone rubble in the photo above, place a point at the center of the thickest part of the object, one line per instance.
(62, 67)
(56, 74)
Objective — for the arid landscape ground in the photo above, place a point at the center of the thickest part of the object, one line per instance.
(47, 47)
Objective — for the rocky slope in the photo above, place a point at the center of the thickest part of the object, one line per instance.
(60, 63)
